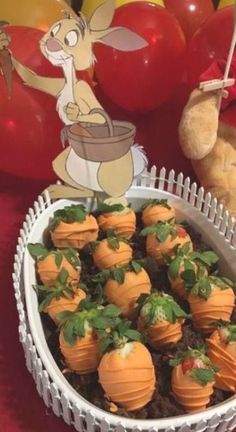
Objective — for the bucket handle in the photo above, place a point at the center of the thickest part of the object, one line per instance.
(64, 131)
(106, 117)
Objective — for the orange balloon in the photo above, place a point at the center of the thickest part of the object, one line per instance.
(40, 14)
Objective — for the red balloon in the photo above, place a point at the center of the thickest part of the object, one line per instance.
(210, 42)
(29, 124)
(142, 80)
(191, 14)
(30, 132)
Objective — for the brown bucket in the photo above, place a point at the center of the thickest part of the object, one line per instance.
(100, 142)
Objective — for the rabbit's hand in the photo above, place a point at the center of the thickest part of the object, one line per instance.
(4, 40)
(72, 111)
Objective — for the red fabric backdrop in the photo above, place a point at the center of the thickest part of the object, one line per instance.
(21, 409)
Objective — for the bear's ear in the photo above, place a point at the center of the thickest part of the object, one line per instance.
(102, 16)
(120, 38)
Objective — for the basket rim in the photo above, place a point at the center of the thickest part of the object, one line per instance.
(128, 134)
(98, 413)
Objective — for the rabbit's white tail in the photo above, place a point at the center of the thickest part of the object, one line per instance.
(139, 159)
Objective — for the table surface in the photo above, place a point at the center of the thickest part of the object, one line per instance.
(21, 408)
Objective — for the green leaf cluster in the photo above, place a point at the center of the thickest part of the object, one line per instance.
(161, 230)
(69, 214)
(203, 375)
(60, 289)
(200, 374)
(114, 241)
(88, 316)
(106, 208)
(156, 202)
(190, 353)
(232, 333)
(203, 285)
(184, 257)
(118, 273)
(229, 329)
(39, 252)
(158, 307)
(119, 336)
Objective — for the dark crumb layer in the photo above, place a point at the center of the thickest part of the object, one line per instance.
(163, 403)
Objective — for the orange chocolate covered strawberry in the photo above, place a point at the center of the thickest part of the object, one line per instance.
(123, 286)
(211, 299)
(79, 340)
(112, 252)
(50, 263)
(156, 210)
(63, 295)
(184, 262)
(222, 352)
(73, 227)
(192, 380)
(162, 237)
(161, 319)
(126, 373)
(117, 217)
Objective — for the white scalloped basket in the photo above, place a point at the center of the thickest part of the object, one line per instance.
(218, 230)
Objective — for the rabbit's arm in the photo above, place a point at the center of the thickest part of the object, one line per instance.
(199, 124)
(51, 86)
(86, 101)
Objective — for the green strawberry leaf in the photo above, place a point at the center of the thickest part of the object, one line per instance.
(134, 335)
(106, 208)
(155, 202)
(72, 256)
(206, 258)
(58, 259)
(119, 275)
(113, 242)
(202, 375)
(189, 277)
(37, 250)
(150, 230)
(105, 342)
(69, 214)
(136, 266)
(202, 289)
(111, 311)
(64, 316)
(63, 276)
(174, 267)
(69, 332)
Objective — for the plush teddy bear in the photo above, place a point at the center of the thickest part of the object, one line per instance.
(209, 139)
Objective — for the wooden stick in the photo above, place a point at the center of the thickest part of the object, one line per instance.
(229, 58)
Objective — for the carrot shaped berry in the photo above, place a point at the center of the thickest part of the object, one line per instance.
(117, 217)
(162, 237)
(60, 297)
(161, 319)
(222, 352)
(79, 339)
(50, 263)
(73, 227)
(210, 299)
(156, 211)
(126, 373)
(192, 381)
(112, 252)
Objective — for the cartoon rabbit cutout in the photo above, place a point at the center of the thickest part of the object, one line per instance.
(69, 44)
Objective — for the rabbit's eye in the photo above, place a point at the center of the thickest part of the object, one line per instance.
(55, 30)
(71, 38)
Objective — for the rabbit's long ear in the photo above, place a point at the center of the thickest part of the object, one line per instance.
(120, 38)
(102, 16)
